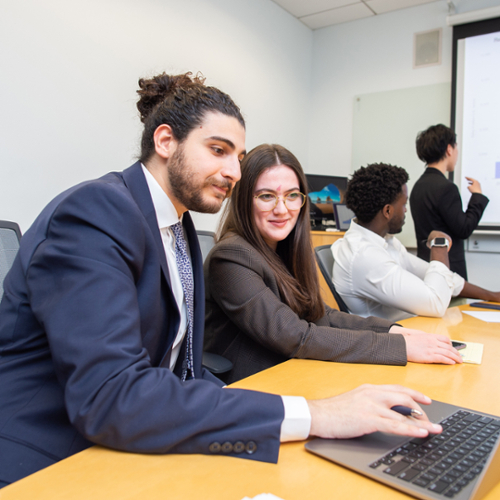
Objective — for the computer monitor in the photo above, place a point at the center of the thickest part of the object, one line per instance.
(343, 216)
(324, 191)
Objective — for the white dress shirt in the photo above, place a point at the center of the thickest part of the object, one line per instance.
(166, 215)
(377, 277)
(297, 422)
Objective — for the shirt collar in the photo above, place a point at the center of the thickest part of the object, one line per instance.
(371, 235)
(166, 214)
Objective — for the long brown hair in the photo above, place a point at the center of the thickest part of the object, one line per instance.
(293, 262)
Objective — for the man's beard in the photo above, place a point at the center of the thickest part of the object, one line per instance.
(188, 192)
(396, 227)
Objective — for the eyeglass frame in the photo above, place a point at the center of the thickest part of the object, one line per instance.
(283, 198)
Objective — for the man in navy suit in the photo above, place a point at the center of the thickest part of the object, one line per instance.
(100, 337)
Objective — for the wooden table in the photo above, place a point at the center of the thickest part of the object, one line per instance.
(99, 473)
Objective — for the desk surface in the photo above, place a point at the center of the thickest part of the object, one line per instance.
(99, 473)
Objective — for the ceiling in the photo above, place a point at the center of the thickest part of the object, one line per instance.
(321, 13)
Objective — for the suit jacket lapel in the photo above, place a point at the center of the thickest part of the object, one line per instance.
(138, 187)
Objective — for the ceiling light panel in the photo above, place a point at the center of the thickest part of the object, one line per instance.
(300, 8)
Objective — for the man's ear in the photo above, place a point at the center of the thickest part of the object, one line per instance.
(165, 142)
(449, 150)
(388, 211)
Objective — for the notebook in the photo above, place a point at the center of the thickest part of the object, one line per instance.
(343, 216)
(461, 463)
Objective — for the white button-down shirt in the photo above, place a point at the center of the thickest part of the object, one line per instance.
(377, 277)
(166, 215)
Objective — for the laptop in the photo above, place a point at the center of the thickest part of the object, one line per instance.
(343, 216)
(463, 462)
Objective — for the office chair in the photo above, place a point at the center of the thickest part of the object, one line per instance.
(207, 241)
(212, 362)
(324, 258)
(10, 236)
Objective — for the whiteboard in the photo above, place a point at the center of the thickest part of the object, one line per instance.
(477, 124)
(385, 126)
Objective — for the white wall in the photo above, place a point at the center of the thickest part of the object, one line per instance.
(69, 72)
(366, 56)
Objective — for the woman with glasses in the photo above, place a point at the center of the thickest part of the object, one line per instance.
(263, 302)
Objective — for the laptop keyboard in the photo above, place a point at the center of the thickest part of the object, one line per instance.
(444, 463)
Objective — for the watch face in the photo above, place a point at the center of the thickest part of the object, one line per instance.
(440, 241)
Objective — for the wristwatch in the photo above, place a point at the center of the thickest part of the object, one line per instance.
(440, 242)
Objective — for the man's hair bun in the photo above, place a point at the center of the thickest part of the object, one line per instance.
(154, 90)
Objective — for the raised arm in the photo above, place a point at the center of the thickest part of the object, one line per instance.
(461, 224)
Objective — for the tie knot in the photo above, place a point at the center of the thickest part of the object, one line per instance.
(177, 229)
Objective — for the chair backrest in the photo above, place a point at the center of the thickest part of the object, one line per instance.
(324, 258)
(207, 241)
(10, 236)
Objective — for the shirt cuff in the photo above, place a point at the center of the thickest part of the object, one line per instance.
(297, 422)
(459, 283)
(454, 281)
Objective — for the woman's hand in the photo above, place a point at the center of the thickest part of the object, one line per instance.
(424, 347)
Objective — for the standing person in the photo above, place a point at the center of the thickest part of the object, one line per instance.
(101, 322)
(435, 201)
(263, 298)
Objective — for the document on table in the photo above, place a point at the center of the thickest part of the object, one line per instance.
(473, 353)
(488, 316)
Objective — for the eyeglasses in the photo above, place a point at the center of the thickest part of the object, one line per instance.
(268, 201)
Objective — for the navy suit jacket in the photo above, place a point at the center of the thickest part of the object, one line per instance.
(87, 323)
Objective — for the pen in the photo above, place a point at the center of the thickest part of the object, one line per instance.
(485, 305)
(408, 412)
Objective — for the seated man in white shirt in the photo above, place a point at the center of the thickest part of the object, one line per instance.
(374, 273)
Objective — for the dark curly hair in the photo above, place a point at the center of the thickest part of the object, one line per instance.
(181, 101)
(373, 187)
(433, 143)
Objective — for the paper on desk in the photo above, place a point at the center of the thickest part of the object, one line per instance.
(264, 496)
(473, 353)
(488, 316)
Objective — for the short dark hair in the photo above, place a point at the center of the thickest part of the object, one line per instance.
(433, 143)
(373, 187)
(181, 101)
(293, 262)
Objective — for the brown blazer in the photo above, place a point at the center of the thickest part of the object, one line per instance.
(247, 322)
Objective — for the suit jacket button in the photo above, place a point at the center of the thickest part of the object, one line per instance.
(251, 447)
(214, 447)
(227, 447)
(239, 447)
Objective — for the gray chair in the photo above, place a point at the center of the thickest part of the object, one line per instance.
(324, 258)
(207, 241)
(10, 236)
(212, 362)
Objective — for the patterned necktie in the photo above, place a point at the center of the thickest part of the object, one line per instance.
(186, 275)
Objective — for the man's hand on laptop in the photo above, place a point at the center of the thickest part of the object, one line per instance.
(422, 347)
(367, 409)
